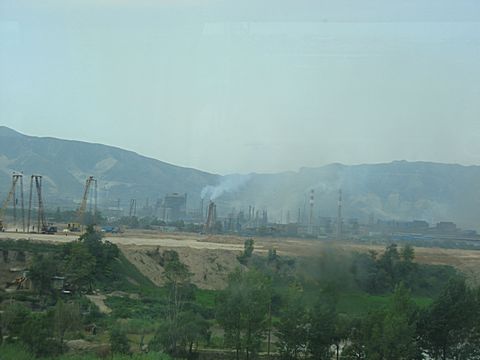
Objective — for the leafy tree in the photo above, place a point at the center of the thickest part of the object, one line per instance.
(171, 335)
(388, 263)
(41, 271)
(343, 326)
(32, 329)
(80, 265)
(390, 333)
(292, 328)
(187, 332)
(103, 251)
(178, 282)
(408, 253)
(66, 317)
(242, 310)
(194, 329)
(119, 341)
(449, 328)
(36, 333)
(247, 251)
(14, 316)
(400, 326)
(321, 334)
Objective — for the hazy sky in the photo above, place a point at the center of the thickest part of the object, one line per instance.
(250, 85)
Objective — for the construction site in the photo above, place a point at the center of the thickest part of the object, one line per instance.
(222, 237)
(212, 247)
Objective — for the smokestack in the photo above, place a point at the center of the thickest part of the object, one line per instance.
(211, 218)
(339, 215)
(310, 220)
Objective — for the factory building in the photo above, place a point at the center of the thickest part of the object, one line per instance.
(174, 207)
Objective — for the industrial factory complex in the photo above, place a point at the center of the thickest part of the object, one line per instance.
(171, 214)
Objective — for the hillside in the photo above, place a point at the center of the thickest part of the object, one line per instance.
(66, 164)
(399, 190)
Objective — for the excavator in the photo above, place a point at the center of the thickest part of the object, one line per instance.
(18, 283)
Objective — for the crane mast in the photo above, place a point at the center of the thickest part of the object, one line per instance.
(41, 221)
(16, 179)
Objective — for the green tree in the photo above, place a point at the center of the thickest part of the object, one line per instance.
(37, 334)
(13, 318)
(187, 332)
(119, 341)
(400, 326)
(80, 265)
(449, 328)
(103, 251)
(242, 311)
(292, 328)
(41, 271)
(321, 335)
(390, 333)
(171, 334)
(66, 317)
(407, 253)
(248, 246)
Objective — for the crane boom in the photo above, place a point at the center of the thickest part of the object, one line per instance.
(83, 205)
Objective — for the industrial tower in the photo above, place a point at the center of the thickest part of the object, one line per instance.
(211, 218)
(339, 215)
(310, 219)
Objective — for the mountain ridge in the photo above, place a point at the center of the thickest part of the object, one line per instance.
(399, 190)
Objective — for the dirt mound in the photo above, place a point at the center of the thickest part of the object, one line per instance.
(210, 267)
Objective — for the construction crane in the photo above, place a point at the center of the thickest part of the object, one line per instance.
(16, 179)
(83, 205)
(42, 226)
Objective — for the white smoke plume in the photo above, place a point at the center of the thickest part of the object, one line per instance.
(229, 183)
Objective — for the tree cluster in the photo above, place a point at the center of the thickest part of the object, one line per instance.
(43, 333)
(183, 326)
(82, 262)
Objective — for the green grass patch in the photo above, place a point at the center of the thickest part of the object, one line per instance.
(29, 246)
(126, 277)
(359, 304)
(206, 298)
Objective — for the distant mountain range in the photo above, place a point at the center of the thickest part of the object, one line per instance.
(399, 190)
(66, 164)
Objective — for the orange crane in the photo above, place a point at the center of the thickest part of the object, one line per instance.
(83, 205)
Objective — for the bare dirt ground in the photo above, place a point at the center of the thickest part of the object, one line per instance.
(211, 258)
(99, 300)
